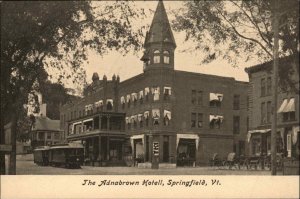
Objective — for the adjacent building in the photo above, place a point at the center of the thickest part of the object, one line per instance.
(260, 111)
(45, 132)
(162, 115)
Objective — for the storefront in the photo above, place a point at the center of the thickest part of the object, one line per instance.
(187, 147)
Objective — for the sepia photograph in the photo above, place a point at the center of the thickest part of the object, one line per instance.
(150, 99)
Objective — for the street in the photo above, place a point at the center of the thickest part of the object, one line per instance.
(25, 166)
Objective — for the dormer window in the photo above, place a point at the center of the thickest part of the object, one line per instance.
(156, 57)
(166, 57)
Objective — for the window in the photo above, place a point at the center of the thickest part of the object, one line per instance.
(248, 102)
(167, 93)
(156, 57)
(166, 57)
(215, 121)
(200, 98)
(236, 124)
(156, 93)
(263, 87)
(236, 102)
(263, 113)
(167, 117)
(48, 136)
(193, 120)
(269, 86)
(155, 116)
(200, 120)
(247, 125)
(71, 115)
(79, 113)
(56, 136)
(41, 135)
(215, 99)
(193, 97)
(288, 116)
(269, 111)
(109, 104)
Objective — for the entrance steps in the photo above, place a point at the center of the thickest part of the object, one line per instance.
(148, 165)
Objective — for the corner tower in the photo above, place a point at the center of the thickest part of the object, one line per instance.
(159, 42)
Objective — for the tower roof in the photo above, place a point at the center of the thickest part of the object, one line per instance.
(160, 29)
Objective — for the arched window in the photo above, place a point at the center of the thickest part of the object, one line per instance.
(156, 57)
(166, 57)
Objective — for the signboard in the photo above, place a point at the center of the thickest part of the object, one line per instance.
(155, 148)
(5, 147)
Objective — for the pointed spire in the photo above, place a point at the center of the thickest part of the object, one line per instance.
(160, 30)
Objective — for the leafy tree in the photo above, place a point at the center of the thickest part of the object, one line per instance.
(42, 36)
(234, 29)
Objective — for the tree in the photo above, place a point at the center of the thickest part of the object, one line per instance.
(234, 29)
(40, 36)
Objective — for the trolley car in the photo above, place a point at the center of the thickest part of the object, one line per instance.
(68, 155)
(41, 155)
(63, 155)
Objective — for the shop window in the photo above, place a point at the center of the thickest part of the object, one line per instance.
(166, 57)
(156, 57)
(236, 102)
(236, 124)
(256, 146)
(200, 120)
(193, 120)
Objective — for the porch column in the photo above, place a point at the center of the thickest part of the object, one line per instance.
(99, 149)
(100, 124)
(150, 147)
(95, 155)
(81, 126)
(107, 149)
(108, 121)
(145, 147)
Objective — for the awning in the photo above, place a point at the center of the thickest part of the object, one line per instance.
(215, 96)
(140, 117)
(295, 134)
(146, 114)
(141, 94)
(168, 114)
(280, 130)
(188, 136)
(147, 90)
(290, 107)
(88, 120)
(134, 96)
(155, 90)
(127, 119)
(122, 100)
(216, 117)
(111, 101)
(128, 98)
(283, 105)
(135, 137)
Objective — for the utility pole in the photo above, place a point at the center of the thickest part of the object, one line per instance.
(275, 28)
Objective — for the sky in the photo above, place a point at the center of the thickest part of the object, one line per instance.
(130, 65)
